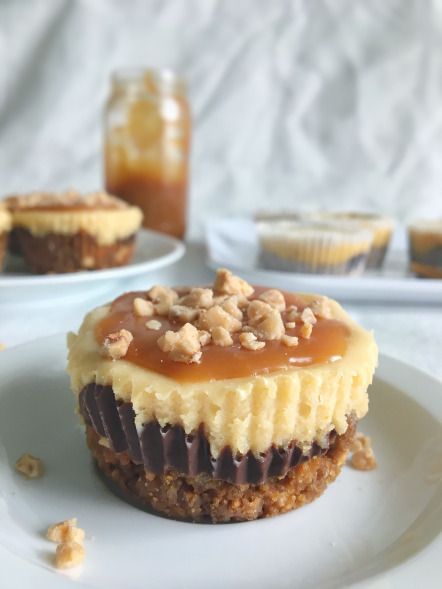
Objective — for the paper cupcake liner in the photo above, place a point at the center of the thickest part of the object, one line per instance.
(160, 449)
(314, 248)
(380, 226)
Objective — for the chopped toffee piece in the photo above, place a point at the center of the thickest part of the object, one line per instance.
(30, 466)
(183, 345)
(69, 554)
(143, 308)
(65, 531)
(250, 342)
(116, 344)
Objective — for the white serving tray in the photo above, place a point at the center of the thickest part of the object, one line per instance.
(233, 243)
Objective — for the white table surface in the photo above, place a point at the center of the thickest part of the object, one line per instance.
(411, 333)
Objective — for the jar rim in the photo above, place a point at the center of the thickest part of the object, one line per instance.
(165, 80)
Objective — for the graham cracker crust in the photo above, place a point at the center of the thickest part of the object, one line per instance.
(54, 253)
(3, 248)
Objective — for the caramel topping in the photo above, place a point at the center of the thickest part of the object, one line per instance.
(328, 342)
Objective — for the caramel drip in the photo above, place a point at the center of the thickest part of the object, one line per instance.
(327, 343)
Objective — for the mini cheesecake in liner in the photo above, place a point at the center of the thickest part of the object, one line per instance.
(314, 247)
(69, 232)
(226, 431)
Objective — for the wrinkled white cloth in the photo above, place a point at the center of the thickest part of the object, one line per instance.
(332, 103)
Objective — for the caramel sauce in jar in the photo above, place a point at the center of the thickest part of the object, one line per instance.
(146, 146)
(327, 343)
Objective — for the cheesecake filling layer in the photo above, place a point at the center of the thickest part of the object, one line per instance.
(105, 225)
(5, 221)
(302, 401)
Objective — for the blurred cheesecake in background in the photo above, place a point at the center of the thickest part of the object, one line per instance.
(313, 247)
(323, 242)
(425, 248)
(5, 226)
(381, 227)
(68, 232)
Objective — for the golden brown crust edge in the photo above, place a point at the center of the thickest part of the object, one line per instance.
(71, 253)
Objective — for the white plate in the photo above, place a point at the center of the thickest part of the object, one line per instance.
(233, 242)
(378, 529)
(152, 251)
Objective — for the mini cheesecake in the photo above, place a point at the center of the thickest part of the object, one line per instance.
(380, 226)
(5, 226)
(314, 247)
(425, 248)
(219, 404)
(68, 232)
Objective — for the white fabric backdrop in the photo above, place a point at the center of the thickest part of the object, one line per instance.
(301, 103)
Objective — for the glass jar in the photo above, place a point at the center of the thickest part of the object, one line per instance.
(147, 144)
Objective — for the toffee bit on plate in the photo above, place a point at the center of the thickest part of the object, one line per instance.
(30, 466)
(69, 554)
(363, 457)
(65, 531)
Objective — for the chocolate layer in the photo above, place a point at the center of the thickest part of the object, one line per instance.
(162, 449)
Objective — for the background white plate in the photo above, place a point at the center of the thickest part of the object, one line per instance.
(152, 251)
(233, 242)
(374, 529)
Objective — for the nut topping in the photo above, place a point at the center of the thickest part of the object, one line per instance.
(228, 283)
(321, 308)
(183, 345)
(266, 320)
(143, 308)
(306, 330)
(204, 337)
(183, 314)
(307, 316)
(198, 297)
(216, 316)
(292, 313)
(163, 298)
(275, 298)
(289, 340)
(220, 316)
(116, 344)
(230, 304)
(250, 342)
(221, 337)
